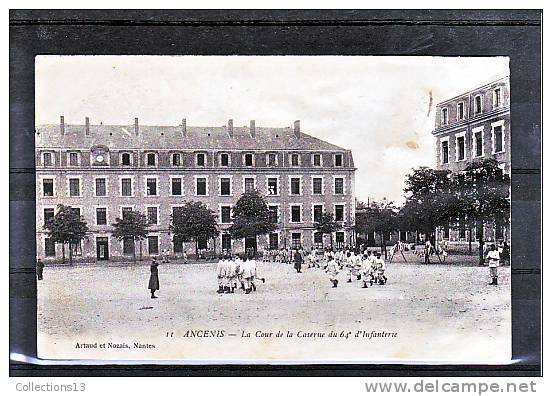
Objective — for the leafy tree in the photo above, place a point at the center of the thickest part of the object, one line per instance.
(251, 216)
(378, 217)
(327, 225)
(134, 225)
(193, 221)
(67, 227)
(430, 201)
(483, 195)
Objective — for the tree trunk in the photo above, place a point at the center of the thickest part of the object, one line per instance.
(70, 254)
(141, 257)
(63, 253)
(480, 238)
(134, 251)
(197, 257)
(470, 240)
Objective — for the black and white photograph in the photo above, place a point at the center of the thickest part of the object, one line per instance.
(273, 209)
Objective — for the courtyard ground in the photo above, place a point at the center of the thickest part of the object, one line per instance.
(426, 312)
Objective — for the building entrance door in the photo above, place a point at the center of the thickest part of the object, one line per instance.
(102, 248)
(251, 245)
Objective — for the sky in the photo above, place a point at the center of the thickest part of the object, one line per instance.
(381, 108)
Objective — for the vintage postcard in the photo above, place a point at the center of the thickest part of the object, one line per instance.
(273, 209)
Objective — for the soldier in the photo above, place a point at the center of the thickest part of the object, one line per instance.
(39, 269)
(367, 270)
(332, 269)
(379, 265)
(221, 274)
(246, 271)
(230, 272)
(493, 258)
(154, 277)
(298, 260)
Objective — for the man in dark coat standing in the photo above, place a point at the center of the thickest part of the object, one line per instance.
(39, 269)
(298, 259)
(154, 278)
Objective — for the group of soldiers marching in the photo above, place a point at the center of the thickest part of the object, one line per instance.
(237, 270)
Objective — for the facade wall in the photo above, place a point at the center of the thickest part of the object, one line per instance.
(113, 171)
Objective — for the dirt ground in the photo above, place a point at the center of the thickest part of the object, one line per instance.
(429, 313)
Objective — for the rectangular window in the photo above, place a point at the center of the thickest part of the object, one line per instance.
(125, 159)
(272, 186)
(224, 160)
(225, 186)
(317, 185)
(176, 186)
(48, 187)
(295, 214)
(460, 144)
(128, 246)
(200, 159)
(271, 159)
(318, 239)
(273, 241)
(48, 215)
(248, 159)
(201, 186)
(226, 242)
(498, 139)
(445, 152)
(295, 186)
(296, 240)
(340, 238)
(76, 211)
(338, 185)
(317, 213)
(73, 159)
(176, 159)
(47, 157)
(273, 213)
(74, 187)
(49, 247)
(151, 187)
(202, 243)
(151, 159)
(339, 213)
(317, 160)
(249, 184)
(153, 245)
(294, 159)
(497, 97)
(126, 187)
(225, 214)
(444, 116)
(101, 216)
(125, 211)
(338, 160)
(152, 214)
(478, 137)
(101, 188)
(478, 104)
(460, 112)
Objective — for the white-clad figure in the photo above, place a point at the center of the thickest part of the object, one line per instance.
(230, 275)
(379, 265)
(221, 275)
(246, 270)
(366, 270)
(493, 258)
(332, 269)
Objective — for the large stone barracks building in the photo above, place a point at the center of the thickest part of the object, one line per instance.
(104, 170)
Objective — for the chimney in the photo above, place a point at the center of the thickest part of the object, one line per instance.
(297, 129)
(183, 127)
(136, 126)
(231, 128)
(62, 125)
(87, 126)
(252, 130)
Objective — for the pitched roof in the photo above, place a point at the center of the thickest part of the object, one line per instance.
(169, 137)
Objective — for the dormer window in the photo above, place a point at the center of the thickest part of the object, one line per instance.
(248, 159)
(176, 159)
(497, 97)
(460, 111)
(200, 159)
(295, 161)
(47, 159)
(125, 159)
(338, 160)
(224, 160)
(151, 159)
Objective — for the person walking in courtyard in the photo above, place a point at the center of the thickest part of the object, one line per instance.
(298, 260)
(505, 254)
(493, 258)
(154, 277)
(39, 269)
(427, 251)
(332, 269)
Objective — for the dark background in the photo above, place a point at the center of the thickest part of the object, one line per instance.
(516, 34)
